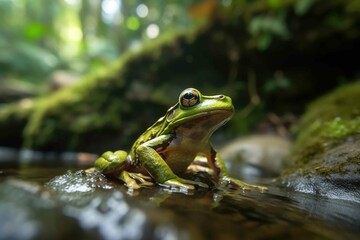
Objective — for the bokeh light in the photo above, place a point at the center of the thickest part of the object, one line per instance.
(142, 10)
(110, 9)
(72, 2)
(133, 23)
(72, 33)
(152, 31)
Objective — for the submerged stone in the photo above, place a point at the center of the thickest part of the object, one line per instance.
(256, 156)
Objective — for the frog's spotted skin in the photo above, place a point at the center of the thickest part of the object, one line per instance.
(167, 148)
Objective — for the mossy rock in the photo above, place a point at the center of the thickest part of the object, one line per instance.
(326, 156)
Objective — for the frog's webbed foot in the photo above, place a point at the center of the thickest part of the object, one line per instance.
(200, 164)
(183, 184)
(135, 180)
(228, 181)
(198, 168)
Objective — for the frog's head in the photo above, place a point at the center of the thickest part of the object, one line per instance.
(197, 111)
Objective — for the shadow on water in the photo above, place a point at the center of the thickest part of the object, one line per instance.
(207, 214)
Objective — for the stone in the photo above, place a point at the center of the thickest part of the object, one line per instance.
(256, 155)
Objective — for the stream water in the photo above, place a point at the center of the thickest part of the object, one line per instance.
(101, 209)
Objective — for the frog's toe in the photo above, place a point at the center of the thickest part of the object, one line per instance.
(193, 168)
(184, 183)
(195, 183)
(142, 179)
(249, 187)
(254, 187)
(142, 176)
(132, 184)
(129, 181)
(239, 184)
(177, 184)
(90, 170)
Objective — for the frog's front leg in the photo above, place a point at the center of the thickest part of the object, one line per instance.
(152, 161)
(218, 165)
(114, 163)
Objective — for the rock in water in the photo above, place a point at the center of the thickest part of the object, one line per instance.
(256, 155)
(334, 174)
(326, 154)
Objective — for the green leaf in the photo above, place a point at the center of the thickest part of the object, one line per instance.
(34, 31)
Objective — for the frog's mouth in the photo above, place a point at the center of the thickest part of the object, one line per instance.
(208, 120)
(202, 125)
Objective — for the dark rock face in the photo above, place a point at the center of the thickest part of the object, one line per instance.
(334, 174)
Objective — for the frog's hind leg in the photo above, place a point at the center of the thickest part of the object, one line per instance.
(115, 163)
(111, 162)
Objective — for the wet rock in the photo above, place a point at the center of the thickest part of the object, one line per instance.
(334, 174)
(326, 154)
(257, 155)
(79, 184)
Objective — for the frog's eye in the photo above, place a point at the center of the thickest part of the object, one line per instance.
(189, 97)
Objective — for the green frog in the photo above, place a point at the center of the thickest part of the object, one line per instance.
(167, 148)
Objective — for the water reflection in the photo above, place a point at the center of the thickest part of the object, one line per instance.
(254, 214)
(277, 206)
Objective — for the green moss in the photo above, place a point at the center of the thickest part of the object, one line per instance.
(339, 128)
(327, 121)
(343, 102)
(71, 111)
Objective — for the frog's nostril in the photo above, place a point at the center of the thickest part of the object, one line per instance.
(221, 96)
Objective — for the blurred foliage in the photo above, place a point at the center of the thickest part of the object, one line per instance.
(267, 55)
(38, 37)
